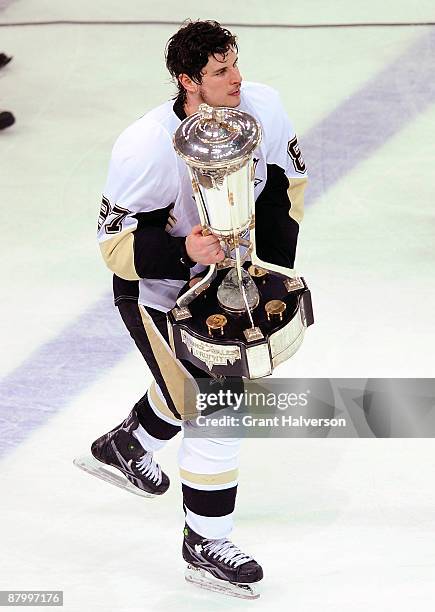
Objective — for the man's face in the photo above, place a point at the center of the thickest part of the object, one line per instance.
(221, 80)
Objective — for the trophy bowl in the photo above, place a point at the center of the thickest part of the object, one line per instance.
(245, 321)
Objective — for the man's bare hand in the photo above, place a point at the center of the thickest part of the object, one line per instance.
(205, 250)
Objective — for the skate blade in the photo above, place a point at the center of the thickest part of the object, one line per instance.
(205, 580)
(89, 464)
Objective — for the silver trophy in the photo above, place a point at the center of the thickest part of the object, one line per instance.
(245, 321)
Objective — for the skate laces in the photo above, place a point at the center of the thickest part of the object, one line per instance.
(226, 551)
(149, 468)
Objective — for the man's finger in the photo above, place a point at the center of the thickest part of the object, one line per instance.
(210, 240)
(196, 229)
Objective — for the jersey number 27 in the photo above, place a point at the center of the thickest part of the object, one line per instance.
(118, 213)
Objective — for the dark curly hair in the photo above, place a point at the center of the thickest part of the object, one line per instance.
(188, 50)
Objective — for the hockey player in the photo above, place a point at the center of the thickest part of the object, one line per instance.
(151, 239)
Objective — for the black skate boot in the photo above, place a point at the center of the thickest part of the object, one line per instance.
(218, 565)
(122, 450)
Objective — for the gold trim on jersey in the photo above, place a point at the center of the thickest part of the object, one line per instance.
(180, 385)
(210, 479)
(295, 193)
(118, 254)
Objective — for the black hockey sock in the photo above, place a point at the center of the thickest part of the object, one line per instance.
(154, 425)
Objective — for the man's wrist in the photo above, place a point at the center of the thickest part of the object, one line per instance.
(184, 257)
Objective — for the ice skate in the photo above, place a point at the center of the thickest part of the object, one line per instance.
(218, 565)
(120, 449)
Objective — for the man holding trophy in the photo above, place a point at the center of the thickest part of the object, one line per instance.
(204, 197)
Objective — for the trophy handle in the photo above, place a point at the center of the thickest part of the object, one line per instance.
(287, 272)
(185, 299)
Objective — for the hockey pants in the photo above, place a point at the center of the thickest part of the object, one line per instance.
(208, 465)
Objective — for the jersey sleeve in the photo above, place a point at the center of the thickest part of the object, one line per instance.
(279, 208)
(282, 150)
(140, 190)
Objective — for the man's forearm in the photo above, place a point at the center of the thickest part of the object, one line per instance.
(148, 252)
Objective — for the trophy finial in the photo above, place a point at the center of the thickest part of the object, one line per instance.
(205, 111)
(210, 113)
(219, 115)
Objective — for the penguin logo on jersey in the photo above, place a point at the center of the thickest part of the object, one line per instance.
(296, 156)
(257, 181)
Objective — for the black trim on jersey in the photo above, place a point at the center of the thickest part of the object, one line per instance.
(154, 218)
(155, 426)
(124, 290)
(276, 233)
(209, 503)
(157, 254)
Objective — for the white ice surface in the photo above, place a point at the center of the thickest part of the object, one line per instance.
(339, 524)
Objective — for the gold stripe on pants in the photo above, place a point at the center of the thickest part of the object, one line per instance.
(181, 386)
(210, 479)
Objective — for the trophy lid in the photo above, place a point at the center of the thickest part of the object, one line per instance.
(218, 137)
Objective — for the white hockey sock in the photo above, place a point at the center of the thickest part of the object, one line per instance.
(211, 527)
(148, 442)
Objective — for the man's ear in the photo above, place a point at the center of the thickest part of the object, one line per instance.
(189, 85)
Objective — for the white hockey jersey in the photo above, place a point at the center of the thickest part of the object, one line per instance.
(149, 185)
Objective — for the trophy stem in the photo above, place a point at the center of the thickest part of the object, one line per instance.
(236, 296)
(241, 286)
